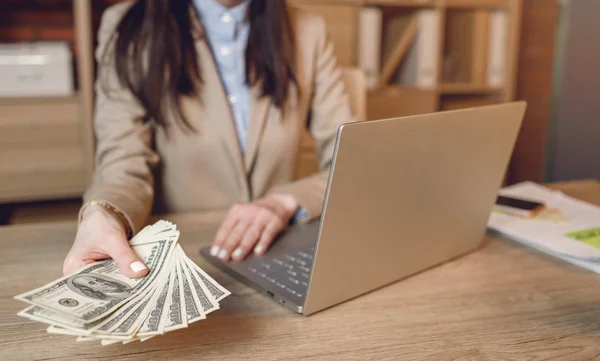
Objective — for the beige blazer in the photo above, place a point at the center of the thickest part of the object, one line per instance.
(139, 168)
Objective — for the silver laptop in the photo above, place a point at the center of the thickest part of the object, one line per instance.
(403, 195)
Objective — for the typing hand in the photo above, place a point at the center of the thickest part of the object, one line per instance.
(100, 236)
(253, 226)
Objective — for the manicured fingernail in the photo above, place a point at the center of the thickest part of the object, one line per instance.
(223, 254)
(238, 253)
(214, 251)
(259, 249)
(137, 266)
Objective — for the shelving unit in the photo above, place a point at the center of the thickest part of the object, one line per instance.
(465, 88)
(463, 28)
(46, 143)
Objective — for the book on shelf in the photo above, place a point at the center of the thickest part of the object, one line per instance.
(369, 56)
(497, 48)
(420, 66)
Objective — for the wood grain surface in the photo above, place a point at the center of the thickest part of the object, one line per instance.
(502, 302)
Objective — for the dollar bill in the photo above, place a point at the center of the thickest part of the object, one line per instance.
(86, 339)
(216, 290)
(151, 325)
(95, 291)
(106, 342)
(98, 303)
(206, 300)
(54, 318)
(193, 309)
(118, 317)
(127, 329)
(61, 331)
(161, 229)
(134, 320)
(175, 317)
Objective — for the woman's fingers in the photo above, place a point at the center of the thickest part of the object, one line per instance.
(101, 236)
(272, 229)
(252, 235)
(230, 221)
(113, 245)
(234, 238)
(72, 263)
(129, 263)
(248, 227)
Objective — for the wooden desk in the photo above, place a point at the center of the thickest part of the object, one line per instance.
(503, 302)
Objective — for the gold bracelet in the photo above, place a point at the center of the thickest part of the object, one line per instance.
(111, 209)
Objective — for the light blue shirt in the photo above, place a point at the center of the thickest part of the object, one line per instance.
(227, 32)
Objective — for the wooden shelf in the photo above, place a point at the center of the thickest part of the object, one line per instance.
(41, 171)
(46, 142)
(40, 100)
(406, 3)
(397, 100)
(497, 4)
(29, 123)
(467, 89)
(328, 2)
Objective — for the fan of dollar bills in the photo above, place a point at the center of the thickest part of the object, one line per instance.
(99, 303)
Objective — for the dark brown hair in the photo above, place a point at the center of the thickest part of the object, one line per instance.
(155, 57)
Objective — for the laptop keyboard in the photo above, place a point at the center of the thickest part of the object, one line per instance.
(289, 272)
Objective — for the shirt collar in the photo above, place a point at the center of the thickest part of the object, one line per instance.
(208, 9)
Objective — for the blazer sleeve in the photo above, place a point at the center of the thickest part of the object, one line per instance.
(330, 108)
(124, 155)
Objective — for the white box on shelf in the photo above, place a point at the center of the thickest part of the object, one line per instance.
(420, 65)
(36, 69)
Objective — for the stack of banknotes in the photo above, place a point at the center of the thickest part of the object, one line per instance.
(99, 303)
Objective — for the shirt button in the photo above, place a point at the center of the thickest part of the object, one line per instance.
(224, 51)
(232, 99)
(226, 18)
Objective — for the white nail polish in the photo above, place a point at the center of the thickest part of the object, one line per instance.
(258, 249)
(238, 253)
(214, 251)
(223, 254)
(137, 266)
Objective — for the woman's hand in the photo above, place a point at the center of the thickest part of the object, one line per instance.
(100, 236)
(253, 226)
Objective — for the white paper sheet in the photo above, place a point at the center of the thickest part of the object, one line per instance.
(548, 232)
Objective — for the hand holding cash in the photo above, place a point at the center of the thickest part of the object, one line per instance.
(98, 302)
(103, 234)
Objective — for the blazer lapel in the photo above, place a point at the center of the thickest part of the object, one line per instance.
(218, 110)
(259, 111)
(215, 104)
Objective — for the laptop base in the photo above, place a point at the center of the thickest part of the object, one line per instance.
(283, 273)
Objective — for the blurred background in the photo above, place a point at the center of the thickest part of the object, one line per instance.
(418, 56)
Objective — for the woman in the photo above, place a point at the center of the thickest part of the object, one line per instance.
(200, 106)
